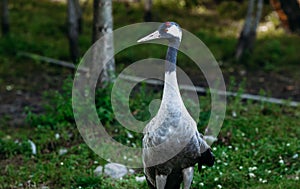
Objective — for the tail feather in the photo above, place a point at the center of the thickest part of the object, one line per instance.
(207, 158)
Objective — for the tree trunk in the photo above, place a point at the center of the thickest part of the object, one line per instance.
(148, 12)
(73, 29)
(103, 27)
(5, 18)
(289, 13)
(248, 33)
(79, 15)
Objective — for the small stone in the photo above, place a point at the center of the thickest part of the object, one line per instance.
(261, 79)
(98, 171)
(243, 72)
(115, 170)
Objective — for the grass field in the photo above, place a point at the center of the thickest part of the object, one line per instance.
(258, 146)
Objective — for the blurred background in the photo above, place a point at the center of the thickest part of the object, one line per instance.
(256, 44)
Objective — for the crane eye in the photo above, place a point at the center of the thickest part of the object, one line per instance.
(166, 30)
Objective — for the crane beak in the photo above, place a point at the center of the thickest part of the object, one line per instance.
(154, 35)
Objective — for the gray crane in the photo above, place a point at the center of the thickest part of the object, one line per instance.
(172, 145)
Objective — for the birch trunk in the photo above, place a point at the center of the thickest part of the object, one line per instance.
(103, 27)
(5, 18)
(248, 33)
(73, 30)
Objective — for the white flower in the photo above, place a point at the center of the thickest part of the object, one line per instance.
(140, 179)
(61, 163)
(252, 168)
(233, 114)
(129, 135)
(241, 167)
(219, 186)
(214, 149)
(252, 175)
(57, 136)
(281, 161)
(216, 179)
(201, 184)
(295, 156)
(288, 144)
(264, 181)
(224, 154)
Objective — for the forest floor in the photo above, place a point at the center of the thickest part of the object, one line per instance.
(272, 70)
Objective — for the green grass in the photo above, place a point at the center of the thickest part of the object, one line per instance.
(254, 141)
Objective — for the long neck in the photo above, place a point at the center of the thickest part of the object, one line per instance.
(171, 95)
(171, 60)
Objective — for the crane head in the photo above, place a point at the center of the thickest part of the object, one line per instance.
(167, 30)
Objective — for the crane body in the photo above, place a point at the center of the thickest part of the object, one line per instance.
(172, 144)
